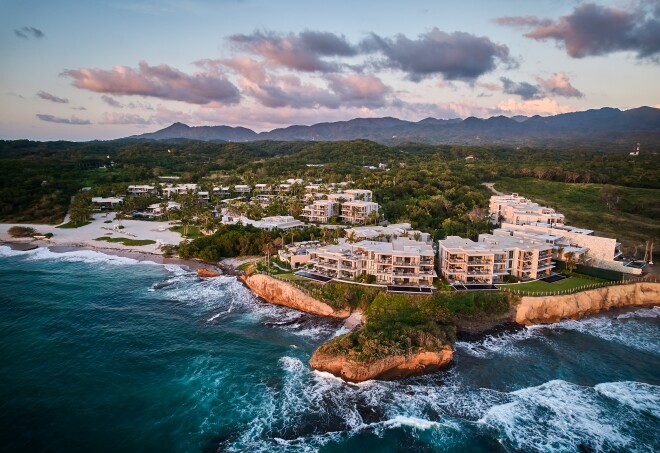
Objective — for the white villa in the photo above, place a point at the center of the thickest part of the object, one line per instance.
(179, 189)
(521, 211)
(143, 189)
(106, 203)
(242, 188)
(156, 210)
(402, 262)
(281, 222)
(492, 258)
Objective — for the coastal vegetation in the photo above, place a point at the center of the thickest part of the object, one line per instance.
(21, 232)
(126, 241)
(433, 187)
(400, 324)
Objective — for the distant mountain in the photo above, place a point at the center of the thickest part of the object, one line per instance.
(604, 125)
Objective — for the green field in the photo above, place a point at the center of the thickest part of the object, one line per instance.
(126, 241)
(635, 219)
(545, 287)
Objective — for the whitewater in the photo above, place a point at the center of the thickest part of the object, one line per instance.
(102, 353)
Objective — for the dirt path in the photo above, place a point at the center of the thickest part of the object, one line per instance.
(491, 186)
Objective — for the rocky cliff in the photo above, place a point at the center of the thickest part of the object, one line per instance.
(550, 309)
(280, 293)
(392, 367)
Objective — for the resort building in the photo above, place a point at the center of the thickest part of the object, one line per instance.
(386, 233)
(492, 258)
(360, 194)
(402, 262)
(242, 188)
(282, 222)
(521, 211)
(179, 189)
(320, 211)
(298, 253)
(108, 203)
(358, 212)
(597, 250)
(222, 191)
(141, 190)
(159, 209)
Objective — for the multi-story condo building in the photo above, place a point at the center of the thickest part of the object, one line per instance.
(521, 211)
(359, 194)
(320, 211)
(242, 188)
(141, 190)
(222, 191)
(569, 239)
(402, 262)
(492, 258)
(357, 212)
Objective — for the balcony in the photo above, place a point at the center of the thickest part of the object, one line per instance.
(478, 262)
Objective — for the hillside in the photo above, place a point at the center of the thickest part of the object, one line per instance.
(606, 125)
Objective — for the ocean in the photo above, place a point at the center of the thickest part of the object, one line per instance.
(105, 353)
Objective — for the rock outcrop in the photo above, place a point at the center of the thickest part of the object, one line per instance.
(551, 309)
(280, 293)
(207, 273)
(388, 368)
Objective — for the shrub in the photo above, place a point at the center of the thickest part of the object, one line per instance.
(21, 232)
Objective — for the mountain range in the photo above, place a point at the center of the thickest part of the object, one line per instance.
(605, 125)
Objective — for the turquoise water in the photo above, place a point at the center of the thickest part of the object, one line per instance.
(101, 353)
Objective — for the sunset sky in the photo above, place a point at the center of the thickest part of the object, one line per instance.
(105, 69)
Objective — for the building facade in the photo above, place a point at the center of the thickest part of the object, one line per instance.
(493, 258)
(403, 262)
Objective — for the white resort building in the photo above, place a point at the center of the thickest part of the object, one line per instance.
(386, 233)
(141, 190)
(179, 189)
(353, 206)
(521, 211)
(358, 212)
(320, 211)
(492, 258)
(402, 262)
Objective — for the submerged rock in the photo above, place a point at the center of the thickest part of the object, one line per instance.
(205, 273)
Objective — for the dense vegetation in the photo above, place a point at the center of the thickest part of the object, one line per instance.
(402, 325)
(433, 187)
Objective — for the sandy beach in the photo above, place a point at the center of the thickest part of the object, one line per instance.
(83, 238)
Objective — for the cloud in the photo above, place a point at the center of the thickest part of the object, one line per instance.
(121, 118)
(277, 91)
(560, 85)
(29, 32)
(523, 89)
(160, 81)
(303, 51)
(79, 108)
(359, 90)
(112, 102)
(543, 106)
(54, 119)
(455, 56)
(52, 98)
(598, 30)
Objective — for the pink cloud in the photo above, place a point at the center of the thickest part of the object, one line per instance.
(124, 118)
(560, 85)
(543, 106)
(160, 81)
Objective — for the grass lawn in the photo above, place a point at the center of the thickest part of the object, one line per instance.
(543, 287)
(73, 225)
(636, 220)
(193, 231)
(126, 241)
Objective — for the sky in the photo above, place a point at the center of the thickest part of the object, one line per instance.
(104, 69)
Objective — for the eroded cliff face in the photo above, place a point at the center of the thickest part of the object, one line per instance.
(551, 309)
(281, 293)
(393, 367)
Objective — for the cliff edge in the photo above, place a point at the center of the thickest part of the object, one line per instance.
(280, 293)
(387, 368)
(551, 309)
